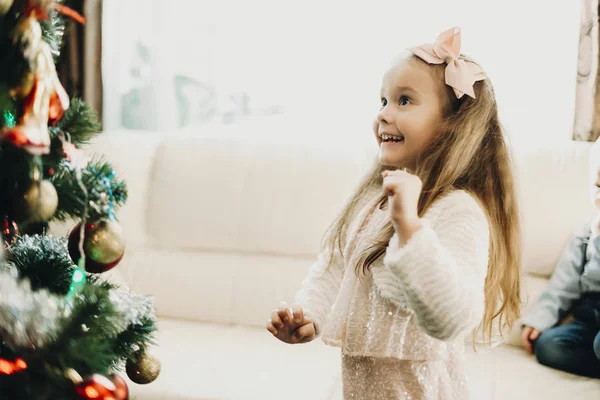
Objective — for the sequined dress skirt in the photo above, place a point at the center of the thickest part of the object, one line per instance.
(388, 378)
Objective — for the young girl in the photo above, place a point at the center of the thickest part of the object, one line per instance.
(428, 249)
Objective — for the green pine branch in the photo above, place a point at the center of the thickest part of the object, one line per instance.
(80, 122)
(99, 179)
(89, 340)
(45, 261)
(86, 340)
(79, 125)
(136, 337)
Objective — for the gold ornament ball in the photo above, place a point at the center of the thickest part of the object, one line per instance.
(38, 203)
(142, 368)
(104, 242)
(5, 5)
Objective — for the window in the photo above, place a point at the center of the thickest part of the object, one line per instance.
(198, 64)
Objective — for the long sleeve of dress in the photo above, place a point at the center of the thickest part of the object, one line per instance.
(320, 288)
(440, 272)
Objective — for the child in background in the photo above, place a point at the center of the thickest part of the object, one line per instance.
(573, 289)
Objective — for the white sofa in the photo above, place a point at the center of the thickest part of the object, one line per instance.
(223, 227)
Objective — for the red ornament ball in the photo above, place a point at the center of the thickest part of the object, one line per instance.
(103, 245)
(122, 391)
(100, 387)
(10, 231)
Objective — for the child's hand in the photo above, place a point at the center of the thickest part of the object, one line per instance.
(291, 327)
(528, 336)
(403, 190)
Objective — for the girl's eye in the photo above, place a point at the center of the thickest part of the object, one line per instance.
(383, 102)
(404, 101)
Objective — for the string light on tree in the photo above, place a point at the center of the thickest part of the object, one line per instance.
(122, 391)
(10, 231)
(9, 119)
(100, 387)
(78, 279)
(8, 367)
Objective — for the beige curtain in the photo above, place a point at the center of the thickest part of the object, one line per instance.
(92, 55)
(80, 63)
(587, 103)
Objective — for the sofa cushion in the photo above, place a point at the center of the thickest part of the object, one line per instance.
(229, 288)
(509, 372)
(237, 195)
(554, 191)
(255, 194)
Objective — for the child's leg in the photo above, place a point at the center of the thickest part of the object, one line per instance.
(570, 348)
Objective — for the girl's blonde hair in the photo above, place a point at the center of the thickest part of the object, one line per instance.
(469, 153)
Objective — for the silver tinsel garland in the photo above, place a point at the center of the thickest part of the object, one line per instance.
(134, 308)
(41, 247)
(31, 319)
(28, 319)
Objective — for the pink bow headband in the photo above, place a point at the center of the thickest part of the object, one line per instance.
(460, 74)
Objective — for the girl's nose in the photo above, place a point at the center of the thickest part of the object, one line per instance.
(384, 116)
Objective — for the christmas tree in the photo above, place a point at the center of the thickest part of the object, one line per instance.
(65, 330)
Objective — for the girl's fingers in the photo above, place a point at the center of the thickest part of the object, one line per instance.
(276, 320)
(271, 328)
(389, 186)
(298, 314)
(284, 315)
(305, 332)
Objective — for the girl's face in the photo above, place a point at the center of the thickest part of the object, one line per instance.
(411, 114)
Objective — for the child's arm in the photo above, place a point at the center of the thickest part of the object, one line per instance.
(320, 288)
(303, 322)
(563, 289)
(441, 272)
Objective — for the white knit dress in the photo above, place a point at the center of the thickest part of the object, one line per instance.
(402, 326)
